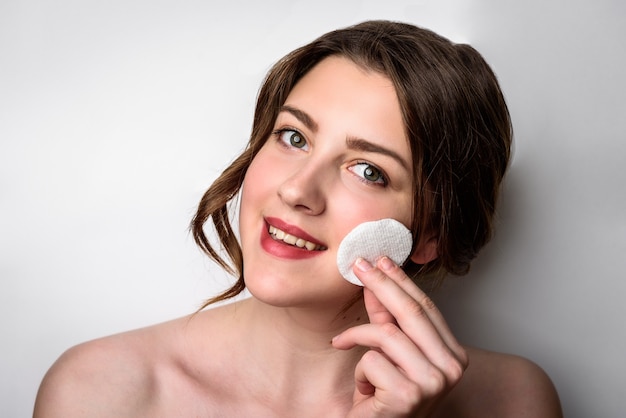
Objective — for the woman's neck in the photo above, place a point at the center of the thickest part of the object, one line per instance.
(300, 329)
(287, 352)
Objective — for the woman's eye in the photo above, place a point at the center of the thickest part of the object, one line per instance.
(292, 138)
(369, 173)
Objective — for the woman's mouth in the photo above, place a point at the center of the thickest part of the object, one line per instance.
(280, 235)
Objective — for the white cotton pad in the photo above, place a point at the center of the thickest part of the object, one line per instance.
(372, 240)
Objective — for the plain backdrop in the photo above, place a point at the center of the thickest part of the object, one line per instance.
(116, 115)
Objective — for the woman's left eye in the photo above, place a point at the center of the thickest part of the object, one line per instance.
(369, 173)
(292, 138)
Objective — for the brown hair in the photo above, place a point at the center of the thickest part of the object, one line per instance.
(456, 120)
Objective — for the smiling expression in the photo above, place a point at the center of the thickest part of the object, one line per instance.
(338, 156)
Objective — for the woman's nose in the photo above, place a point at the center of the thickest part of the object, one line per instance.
(304, 190)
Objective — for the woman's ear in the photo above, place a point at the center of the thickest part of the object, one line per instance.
(426, 250)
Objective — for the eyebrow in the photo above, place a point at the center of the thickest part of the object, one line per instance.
(358, 144)
(301, 116)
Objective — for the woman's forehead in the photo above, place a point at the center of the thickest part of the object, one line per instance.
(337, 93)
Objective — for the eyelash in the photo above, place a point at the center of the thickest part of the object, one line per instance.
(382, 182)
(279, 137)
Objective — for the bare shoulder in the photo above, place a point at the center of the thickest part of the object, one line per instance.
(503, 385)
(153, 371)
(110, 376)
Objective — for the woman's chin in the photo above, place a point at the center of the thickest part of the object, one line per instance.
(297, 292)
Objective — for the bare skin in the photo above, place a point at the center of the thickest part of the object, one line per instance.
(293, 349)
(207, 366)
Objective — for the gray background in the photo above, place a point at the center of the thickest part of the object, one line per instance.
(115, 116)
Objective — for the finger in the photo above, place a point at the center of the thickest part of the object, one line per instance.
(394, 393)
(398, 348)
(376, 370)
(394, 272)
(376, 311)
(414, 312)
(430, 309)
(398, 276)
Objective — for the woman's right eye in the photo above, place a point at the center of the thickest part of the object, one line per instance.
(292, 138)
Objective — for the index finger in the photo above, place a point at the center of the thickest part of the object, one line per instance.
(415, 313)
(376, 311)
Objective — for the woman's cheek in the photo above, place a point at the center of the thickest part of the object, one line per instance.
(372, 202)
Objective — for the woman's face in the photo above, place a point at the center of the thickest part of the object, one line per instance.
(338, 157)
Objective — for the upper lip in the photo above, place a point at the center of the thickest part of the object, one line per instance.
(292, 230)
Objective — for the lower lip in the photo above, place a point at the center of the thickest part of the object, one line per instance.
(281, 249)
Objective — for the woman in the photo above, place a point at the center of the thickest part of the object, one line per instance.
(378, 120)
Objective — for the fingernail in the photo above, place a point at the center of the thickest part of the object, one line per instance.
(362, 264)
(386, 263)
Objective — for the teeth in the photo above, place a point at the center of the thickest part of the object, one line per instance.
(291, 240)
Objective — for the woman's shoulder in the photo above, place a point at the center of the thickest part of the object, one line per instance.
(117, 375)
(503, 385)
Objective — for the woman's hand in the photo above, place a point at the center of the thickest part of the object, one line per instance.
(414, 358)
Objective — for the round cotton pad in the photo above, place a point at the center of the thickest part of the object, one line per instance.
(372, 240)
